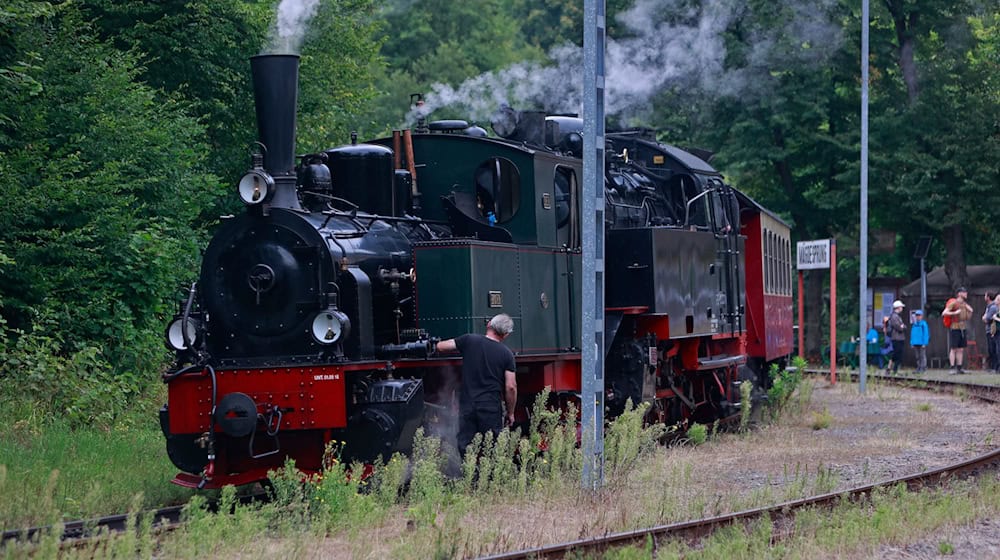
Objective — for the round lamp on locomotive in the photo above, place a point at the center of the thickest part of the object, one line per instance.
(329, 326)
(256, 186)
(180, 338)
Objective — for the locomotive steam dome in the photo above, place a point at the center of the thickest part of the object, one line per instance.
(363, 174)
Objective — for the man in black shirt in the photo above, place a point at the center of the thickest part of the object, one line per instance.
(488, 373)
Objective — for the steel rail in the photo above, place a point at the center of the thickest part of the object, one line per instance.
(697, 529)
(83, 529)
(778, 514)
(988, 393)
(163, 518)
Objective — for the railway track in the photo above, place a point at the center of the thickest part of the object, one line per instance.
(781, 515)
(954, 384)
(163, 518)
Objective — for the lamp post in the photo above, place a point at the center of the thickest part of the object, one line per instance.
(923, 247)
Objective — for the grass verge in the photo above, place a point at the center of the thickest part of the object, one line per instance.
(46, 465)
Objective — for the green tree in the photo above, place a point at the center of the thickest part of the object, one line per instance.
(943, 63)
(791, 136)
(437, 41)
(197, 52)
(101, 175)
(784, 127)
(549, 23)
(340, 60)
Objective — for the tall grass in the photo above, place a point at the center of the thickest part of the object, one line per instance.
(426, 508)
(92, 470)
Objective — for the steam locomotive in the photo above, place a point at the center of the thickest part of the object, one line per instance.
(316, 309)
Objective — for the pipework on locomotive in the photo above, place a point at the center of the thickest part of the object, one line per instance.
(315, 311)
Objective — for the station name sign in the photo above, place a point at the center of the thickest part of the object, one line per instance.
(813, 254)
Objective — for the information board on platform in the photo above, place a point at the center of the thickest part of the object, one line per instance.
(811, 255)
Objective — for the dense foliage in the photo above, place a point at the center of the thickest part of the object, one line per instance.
(124, 124)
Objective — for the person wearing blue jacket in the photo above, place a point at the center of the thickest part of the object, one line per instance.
(920, 337)
(871, 338)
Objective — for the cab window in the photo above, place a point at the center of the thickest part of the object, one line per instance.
(498, 189)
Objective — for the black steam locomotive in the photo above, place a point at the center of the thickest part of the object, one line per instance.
(314, 313)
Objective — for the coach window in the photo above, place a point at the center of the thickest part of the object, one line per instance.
(786, 266)
(771, 254)
(774, 262)
(722, 222)
(696, 202)
(767, 260)
(498, 189)
(780, 288)
(779, 259)
(781, 266)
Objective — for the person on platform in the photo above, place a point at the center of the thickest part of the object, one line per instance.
(895, 330)
(488, 380)
(990, 319)
(920, 337)
(871, 340)
(958, 312)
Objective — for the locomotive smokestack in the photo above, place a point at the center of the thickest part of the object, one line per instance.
(275, 90)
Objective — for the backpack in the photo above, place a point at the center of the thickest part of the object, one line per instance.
(946, 319)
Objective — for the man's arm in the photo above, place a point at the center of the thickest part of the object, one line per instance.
(447, 346)
(510, 394)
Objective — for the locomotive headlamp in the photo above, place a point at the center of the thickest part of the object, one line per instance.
(329, 326)
(175, 336)
(255, 187)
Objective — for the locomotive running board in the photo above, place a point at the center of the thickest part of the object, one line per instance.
(717, 363)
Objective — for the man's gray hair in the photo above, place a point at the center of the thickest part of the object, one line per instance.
(502, 324)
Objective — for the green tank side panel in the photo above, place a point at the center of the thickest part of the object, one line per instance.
(462, 284)
(540, 310)
(568, 300)
(545, 203)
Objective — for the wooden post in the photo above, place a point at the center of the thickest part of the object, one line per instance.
(802, 330)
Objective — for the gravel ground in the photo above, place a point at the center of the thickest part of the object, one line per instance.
(862, 439)
(950, 430)
(894, 432)
(981, 540)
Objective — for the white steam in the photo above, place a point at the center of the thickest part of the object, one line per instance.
(290, 25)
(686, 51)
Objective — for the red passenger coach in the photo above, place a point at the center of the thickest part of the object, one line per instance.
(768, 284)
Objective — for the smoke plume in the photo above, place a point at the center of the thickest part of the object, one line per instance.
(668, 44)
(290, 26)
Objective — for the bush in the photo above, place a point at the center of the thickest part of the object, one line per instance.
(697, 433)
(626, 439)
(783, 384)
(78, 384)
